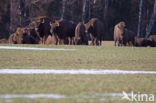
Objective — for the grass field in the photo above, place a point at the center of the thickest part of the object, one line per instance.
(102, 57)
(78, 88)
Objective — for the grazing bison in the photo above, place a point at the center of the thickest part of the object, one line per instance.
(80, 35)
(118, 33)
(63, 29)
(95, 29)
(128, 37)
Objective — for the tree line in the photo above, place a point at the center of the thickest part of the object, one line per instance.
(139, 15)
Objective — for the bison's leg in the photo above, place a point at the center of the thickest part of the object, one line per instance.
(97, 42)
(59, 41)
(121, 43)
(56, 39)
(62, 41)
(115, 41)
(118, 43)
(69, 40)
(72, 40)
(92, 41)
(100, 42)
(41, 40)
(56, 42)
(133, 42)
(44, 40)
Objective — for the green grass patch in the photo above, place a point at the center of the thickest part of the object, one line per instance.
(76, 84)
(87, 57)
(75, 87)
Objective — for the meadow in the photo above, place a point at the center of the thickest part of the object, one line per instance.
(77, 88)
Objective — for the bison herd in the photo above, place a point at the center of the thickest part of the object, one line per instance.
(68, 32)
(125, 37)
(63, 31)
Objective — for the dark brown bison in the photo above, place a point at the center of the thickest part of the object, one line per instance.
(141, 42)
(118, 33)
(96, 30)
(152, 40)
(81, 37)
(128, 38)
(30, 37)
(42, 26)
(63, 30)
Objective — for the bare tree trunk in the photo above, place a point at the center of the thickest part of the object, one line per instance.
(94, 1)
(63, 8)
(84, 11)
(140, 18)
(105, 17)
(72, 13)
(152, 20)
(15, 15)
(106, 4)
(89, 9)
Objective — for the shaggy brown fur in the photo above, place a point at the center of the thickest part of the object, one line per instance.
(118, 33)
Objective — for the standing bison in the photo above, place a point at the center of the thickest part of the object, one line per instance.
(63, 30)
(42, 26)
(81, 37)
(96, 30)
(44, 29)
(118, 33)
(128, 38)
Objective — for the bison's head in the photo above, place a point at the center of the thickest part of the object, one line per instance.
(36, 23)
(18, 35)
(20, 31)
(54, 26)
(121, 25)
